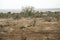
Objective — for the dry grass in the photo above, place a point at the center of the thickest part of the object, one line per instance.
(12, 29)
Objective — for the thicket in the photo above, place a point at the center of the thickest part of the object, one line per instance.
(33, 13)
